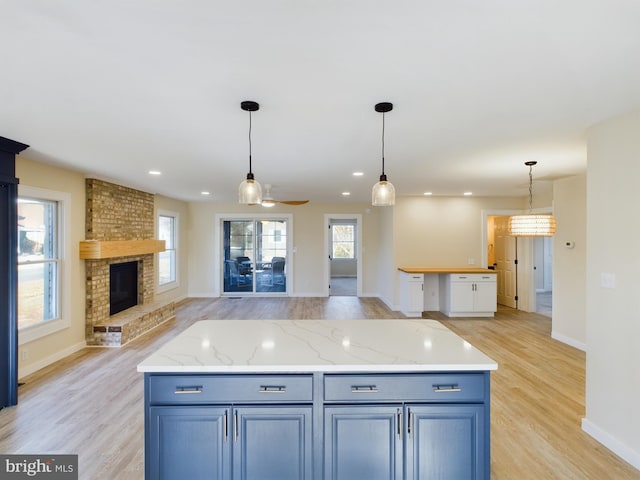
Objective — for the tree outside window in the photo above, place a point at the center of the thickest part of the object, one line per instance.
(343, 241)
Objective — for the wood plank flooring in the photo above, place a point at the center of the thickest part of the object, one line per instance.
(91, 403)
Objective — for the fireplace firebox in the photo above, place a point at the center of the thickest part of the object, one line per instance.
(123, 286)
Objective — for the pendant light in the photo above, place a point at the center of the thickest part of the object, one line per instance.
(531, 224)
(250, 191)
(383, 193)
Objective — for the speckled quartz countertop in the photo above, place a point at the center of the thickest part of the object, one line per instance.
(287, 346)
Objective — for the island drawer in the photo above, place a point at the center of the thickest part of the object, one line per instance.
(455, 387)
(199, 389)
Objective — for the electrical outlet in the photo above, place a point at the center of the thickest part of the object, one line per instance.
(472, 261)
(25, 354)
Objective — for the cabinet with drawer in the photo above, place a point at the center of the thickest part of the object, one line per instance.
(469, 295)
(421, 426)
(228, 427)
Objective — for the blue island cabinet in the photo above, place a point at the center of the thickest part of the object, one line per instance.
(317, 426)
(228, 427)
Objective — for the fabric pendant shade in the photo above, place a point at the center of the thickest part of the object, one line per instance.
(535, 225)
(532, 224)
(250, 191)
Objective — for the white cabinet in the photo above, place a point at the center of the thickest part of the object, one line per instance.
(469, 295)
(412, 294)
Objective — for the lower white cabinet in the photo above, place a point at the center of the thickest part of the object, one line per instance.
(469, 295)
(412, 294)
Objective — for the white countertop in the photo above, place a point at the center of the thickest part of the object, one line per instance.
(287, 346)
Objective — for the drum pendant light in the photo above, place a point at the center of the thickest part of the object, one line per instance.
(383, 193)
(531, 224)
(250, 191)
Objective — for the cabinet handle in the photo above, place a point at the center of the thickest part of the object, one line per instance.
(446, 388)
(226, 426)
(409, 421)
(364, 389)
(399, 419)
(188, 390)
(235, 426)
(272, 389)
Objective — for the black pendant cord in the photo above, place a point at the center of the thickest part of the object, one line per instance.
(250, 172)
(383, 144)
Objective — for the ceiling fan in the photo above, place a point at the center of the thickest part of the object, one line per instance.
(269, 201)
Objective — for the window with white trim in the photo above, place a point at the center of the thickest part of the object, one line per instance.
(42, 298)
(167, 260)
(343, 241)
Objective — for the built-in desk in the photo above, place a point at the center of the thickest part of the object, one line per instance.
(454, 291)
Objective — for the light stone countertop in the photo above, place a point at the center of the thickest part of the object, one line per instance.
(290, 346)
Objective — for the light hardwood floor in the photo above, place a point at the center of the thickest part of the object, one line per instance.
(91, 402)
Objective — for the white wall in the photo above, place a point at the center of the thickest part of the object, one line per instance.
(569, 264)
(613, 314)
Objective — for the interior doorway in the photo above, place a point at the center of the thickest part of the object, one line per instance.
(343, 247)
(524, 266)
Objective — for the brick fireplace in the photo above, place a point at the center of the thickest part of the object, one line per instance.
(119, 228)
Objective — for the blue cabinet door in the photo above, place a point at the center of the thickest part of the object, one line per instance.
(188, 443)
(272, 443)
(446, 442)
(363, 443)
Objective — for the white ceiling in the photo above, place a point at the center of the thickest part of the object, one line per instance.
(117, 88)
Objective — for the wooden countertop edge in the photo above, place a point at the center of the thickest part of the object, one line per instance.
(445, 270)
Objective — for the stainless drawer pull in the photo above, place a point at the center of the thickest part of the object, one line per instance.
(446, 388)
(364, 389)
(272, 389)
(187, 390)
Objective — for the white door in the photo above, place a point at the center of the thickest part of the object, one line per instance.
(505, 252)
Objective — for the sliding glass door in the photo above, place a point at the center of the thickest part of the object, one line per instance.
(254, 255)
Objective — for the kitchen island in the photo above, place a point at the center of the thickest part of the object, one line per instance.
(317, 399)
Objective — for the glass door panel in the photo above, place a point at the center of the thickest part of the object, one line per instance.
(238, 242)
(254, 256)
(271, 254)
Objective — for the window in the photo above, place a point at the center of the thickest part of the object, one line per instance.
(343, 241)
(167, 261)
(43, 302)
(37, 261)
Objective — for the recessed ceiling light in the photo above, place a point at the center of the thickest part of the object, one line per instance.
(427, 193)
(358, 174)
(467, 194)
(346, 194)
(205, 193)
(155, 172)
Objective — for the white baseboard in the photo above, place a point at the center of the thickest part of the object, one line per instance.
(569, 341)
(612, 443)
(34, 367)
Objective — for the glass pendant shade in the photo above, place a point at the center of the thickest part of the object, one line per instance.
(250, 191)
(383, 193)
(532, 225)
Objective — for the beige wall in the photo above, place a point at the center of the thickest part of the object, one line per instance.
(309, 261)
(182, 209)
(613, 314)
(569, 264)
(43, 351)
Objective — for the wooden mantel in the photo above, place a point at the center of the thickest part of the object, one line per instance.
(98, 249)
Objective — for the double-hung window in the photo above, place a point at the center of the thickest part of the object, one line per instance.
(41, 229)
(343, 241)
(167, 260)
